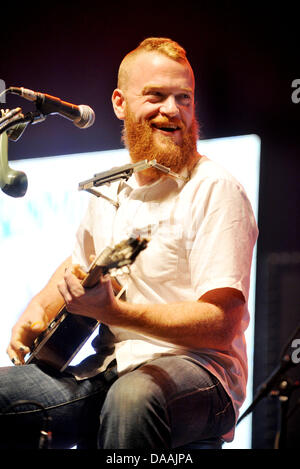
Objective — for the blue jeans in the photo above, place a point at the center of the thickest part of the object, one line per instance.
(166, 403)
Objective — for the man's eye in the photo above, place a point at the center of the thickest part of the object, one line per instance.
(155, 96)
(185, 97)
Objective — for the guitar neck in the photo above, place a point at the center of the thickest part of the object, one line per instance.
(92, 276)
(99, 266)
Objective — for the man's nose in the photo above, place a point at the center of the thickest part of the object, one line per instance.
(169, 107)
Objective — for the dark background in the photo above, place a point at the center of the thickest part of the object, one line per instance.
(245, 56)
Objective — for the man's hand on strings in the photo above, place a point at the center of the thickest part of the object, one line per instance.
(97, 302)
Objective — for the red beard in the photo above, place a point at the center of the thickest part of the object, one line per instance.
(138, 138)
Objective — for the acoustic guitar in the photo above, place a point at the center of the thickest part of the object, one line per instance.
(67, 333)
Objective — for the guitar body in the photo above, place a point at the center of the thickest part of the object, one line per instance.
(67, 333)
(62, 340)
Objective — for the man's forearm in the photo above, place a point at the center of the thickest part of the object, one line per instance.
(35, 318)
(210, 322)
(49, 297)
(48, 301)
(195, 324)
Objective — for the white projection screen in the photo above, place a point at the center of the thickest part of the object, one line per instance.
(37, 230)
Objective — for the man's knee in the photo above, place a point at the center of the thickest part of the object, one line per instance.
(133, 395)
(134, 414)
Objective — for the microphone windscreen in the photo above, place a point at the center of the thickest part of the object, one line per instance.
(87, 117)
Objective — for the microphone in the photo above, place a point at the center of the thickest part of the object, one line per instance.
(82, 116)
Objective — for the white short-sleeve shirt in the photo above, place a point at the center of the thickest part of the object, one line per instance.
(202, 235)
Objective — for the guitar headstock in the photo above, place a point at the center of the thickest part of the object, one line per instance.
(121, 255)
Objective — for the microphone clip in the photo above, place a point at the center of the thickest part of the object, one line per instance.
(11, 119)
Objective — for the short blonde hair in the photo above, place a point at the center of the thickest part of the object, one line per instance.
(161, 45)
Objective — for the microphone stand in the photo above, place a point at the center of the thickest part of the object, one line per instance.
(278, 385)
(16, 117)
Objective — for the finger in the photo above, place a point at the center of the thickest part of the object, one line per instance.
(12, 355)
(105, 279)
(64, 291)
(17, 355)
(21, 348)
(92, 257)
(75, 270)
(38, 326)
(73, 285)
(23, 338)
(18, 346)
(79, 272)
(17, 361)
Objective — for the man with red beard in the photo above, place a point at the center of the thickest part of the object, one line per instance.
(170, 367)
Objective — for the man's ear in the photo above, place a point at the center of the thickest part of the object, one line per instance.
(119, 103)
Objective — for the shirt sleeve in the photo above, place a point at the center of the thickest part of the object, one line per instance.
(225, 234)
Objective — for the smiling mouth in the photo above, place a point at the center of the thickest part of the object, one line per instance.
(168, 129)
